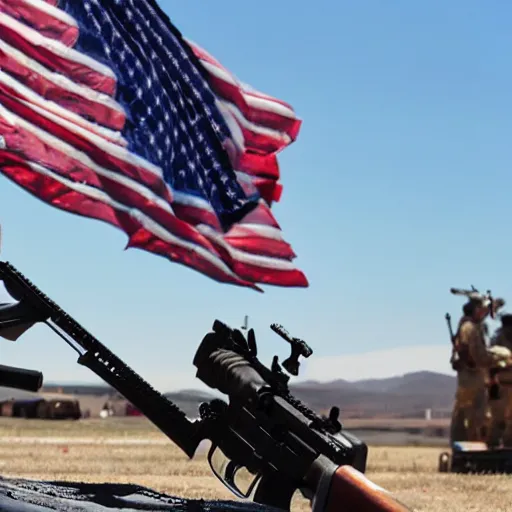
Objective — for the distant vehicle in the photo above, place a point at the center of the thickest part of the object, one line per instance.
(59, 409)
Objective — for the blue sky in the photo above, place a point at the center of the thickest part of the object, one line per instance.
(398, 187)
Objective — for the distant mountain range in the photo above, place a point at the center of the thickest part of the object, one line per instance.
(407, 396)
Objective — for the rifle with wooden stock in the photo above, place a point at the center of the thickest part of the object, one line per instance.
(265, 444)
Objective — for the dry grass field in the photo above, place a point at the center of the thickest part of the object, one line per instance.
(131, 450)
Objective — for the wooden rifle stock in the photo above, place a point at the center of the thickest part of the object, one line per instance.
(351, 491)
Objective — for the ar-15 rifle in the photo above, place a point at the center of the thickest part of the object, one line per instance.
(283, 445)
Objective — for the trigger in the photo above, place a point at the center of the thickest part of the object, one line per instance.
(230, 472)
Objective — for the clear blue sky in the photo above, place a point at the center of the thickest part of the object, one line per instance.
(398, 188)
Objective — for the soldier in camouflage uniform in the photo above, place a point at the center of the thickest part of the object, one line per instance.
(501, 409)
(474, 360)
(503, 338)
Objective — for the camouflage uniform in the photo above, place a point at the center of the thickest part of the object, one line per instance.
(501, 409)
(502, 337)
(469, 410)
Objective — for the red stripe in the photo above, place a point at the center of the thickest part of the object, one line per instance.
(264, 275)
(195, 216)
(79, 73)
(265, 166)
(40, 20)
(60, 196)
(269, 190)
(97, 112)
(261, 143)
(261, 215)
(102, 158)
(261, 117)
(244, 240)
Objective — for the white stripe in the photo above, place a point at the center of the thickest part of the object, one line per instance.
(83, 158)
(59, 111)
(246, 182)
(104, 145)
(61, 80)
(146, 222)
(240, 231)
(190, 200)
(245, 257)
(54, 46)
(269, 105)
(236, 132)
(256, 128)
(56, 13)
(251, 99)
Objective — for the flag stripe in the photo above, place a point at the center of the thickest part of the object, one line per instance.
(79, 99)
(256, 268)
(28, 96)
(46, 19)
(57, 57)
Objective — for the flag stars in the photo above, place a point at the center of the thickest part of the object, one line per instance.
(172, 106)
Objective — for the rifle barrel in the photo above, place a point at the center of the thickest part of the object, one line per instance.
(20, 378)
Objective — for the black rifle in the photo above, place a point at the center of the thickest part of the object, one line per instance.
(265, 444)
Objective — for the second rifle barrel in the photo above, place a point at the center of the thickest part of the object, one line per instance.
(20, 378)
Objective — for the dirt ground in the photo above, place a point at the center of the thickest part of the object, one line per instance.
(132, 451)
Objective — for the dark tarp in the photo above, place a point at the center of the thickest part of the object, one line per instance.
(35, 496)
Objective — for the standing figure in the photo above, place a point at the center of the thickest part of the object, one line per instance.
(501, 409)
(473, 363)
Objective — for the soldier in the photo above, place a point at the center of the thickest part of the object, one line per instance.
(474, 361)
(501, 409)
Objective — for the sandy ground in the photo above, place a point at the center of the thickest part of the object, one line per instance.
(132, 451)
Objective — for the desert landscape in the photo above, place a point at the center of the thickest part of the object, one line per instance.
(132, 450)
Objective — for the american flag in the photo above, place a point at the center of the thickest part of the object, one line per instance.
(108, 112)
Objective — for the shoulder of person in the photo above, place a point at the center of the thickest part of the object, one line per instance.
(468, 328)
